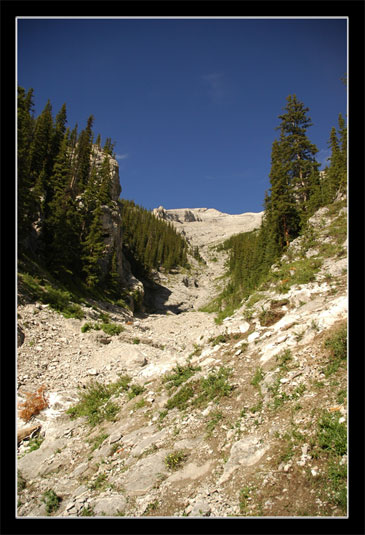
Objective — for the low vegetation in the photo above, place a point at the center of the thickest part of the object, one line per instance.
(51, 501)
(175, 459)
(95, 400)
(200, 392)
(35, 402)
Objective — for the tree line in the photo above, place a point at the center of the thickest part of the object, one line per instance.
(150, 243)
(297, 190)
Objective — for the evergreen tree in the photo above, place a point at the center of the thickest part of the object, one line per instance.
(105, 185)
(25, 197)
(40, 150)
(64, 221)
(342, 131)
(109, 147)
(82, 158)
(93, 248)
(58, 132)
(293, 176)
(335, 176)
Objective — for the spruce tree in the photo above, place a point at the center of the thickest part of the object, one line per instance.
(25, 196)
(293, 176)
(93, 248)
(82, 160)
(64, 220)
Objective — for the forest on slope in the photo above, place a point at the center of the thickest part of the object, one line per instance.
(65, 184)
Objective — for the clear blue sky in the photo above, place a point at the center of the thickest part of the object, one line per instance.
(192, 104)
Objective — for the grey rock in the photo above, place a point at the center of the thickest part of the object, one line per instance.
(109, 506)
(200, 508)
(32, 463)
(145, 473)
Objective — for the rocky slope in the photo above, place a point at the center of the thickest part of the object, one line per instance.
(196, 419)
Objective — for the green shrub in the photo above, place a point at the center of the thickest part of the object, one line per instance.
(332, 435)
(94, 404)
(337, 344)
(134, 391)
(181, 398)
(175, 459)
(179, 375)
(51, 500)
(216, 417)
(257, 378)
(111, 328)
(216, 385)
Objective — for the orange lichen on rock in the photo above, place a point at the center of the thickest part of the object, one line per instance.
(34, 403)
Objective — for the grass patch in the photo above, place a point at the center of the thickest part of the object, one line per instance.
(51, 500)
(179, 375)
(199, 393)
(87, 511)
(244, 496)
(35, 443)
(283, 358)
(135, 390)
(21, 482)
(59, 300)
(99, 483)
(216, 417)
(94, 401)
(181, 399)
(215, 386)
(332, 443)
(337, 345)
(258, 377)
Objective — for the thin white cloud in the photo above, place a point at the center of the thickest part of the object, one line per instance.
(121, 156)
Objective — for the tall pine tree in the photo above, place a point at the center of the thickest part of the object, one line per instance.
(293, 176)
(26, 199)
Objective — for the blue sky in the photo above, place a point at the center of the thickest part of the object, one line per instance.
(191, 104)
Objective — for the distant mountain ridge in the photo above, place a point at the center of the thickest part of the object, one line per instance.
(210, 225)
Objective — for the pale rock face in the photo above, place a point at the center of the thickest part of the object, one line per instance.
(208, 226)
(112, 229)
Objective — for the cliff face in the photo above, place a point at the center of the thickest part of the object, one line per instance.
(111, 220)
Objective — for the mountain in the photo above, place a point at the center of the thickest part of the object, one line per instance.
(172, 414)
(208, 226)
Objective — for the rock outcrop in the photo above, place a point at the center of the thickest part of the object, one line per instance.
(111, 220)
